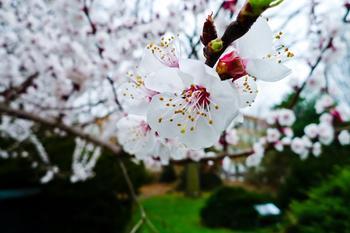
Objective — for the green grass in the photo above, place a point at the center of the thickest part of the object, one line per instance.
(175, 213)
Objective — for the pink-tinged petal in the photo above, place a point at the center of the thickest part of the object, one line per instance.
(165, 80)
(257, 42)
(267, 70)
(134, 135)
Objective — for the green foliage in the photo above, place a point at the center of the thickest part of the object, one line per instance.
(100, 204)
(175, 213)
(258, 6)
(326, 210)
(233, 208)
(304, 175)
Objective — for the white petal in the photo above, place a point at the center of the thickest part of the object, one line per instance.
(161, 117)
(204, 135)
(165, 80)
(257, 42)
(149, 63)
(194, 68)
(134, 99)
(267, 70)
(133, 137)
(247, 88)
(227, 100)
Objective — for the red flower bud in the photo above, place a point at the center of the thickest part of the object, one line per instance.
(231, 66)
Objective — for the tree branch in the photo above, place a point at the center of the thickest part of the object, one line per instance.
(13, 92)
(115, 149)
(234, 31)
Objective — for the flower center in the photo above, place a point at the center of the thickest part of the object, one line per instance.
(197, 95)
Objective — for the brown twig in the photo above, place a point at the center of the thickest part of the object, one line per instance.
(13, 92)
(110, 80)
(115, 149)
(234, 31)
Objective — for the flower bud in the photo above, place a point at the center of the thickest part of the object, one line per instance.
(231, 66)
(215, 45)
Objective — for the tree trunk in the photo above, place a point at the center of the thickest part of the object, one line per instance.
(192, 179)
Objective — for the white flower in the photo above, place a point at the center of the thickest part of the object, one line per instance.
(344, 137)
(326, 101)
(278, 146)
(164, 54)
(307, 142)
(135, 135)
(168, 149)
(193, 106)
(344, 111)
(286, 141)
(252, 58)
(255, 159)
(288, 132)
(271, 118)
(311, 130)
(247, 89)
(255, 48)
(326, 118)
(298, 146)
(134, 96)
(231, 137)
(326, 133)
(317, 149)
(286, 117)
(273, 135)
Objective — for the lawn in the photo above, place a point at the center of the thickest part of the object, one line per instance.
(174, 213)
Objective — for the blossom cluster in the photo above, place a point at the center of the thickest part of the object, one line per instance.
(177, 107)
(332, 116)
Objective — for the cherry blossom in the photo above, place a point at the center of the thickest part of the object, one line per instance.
(231, 137)
(255, 57)
(193, 106)
(325, 102)
(344, 137)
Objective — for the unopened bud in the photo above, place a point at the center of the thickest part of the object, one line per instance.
(216, 45)
(231, 66)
